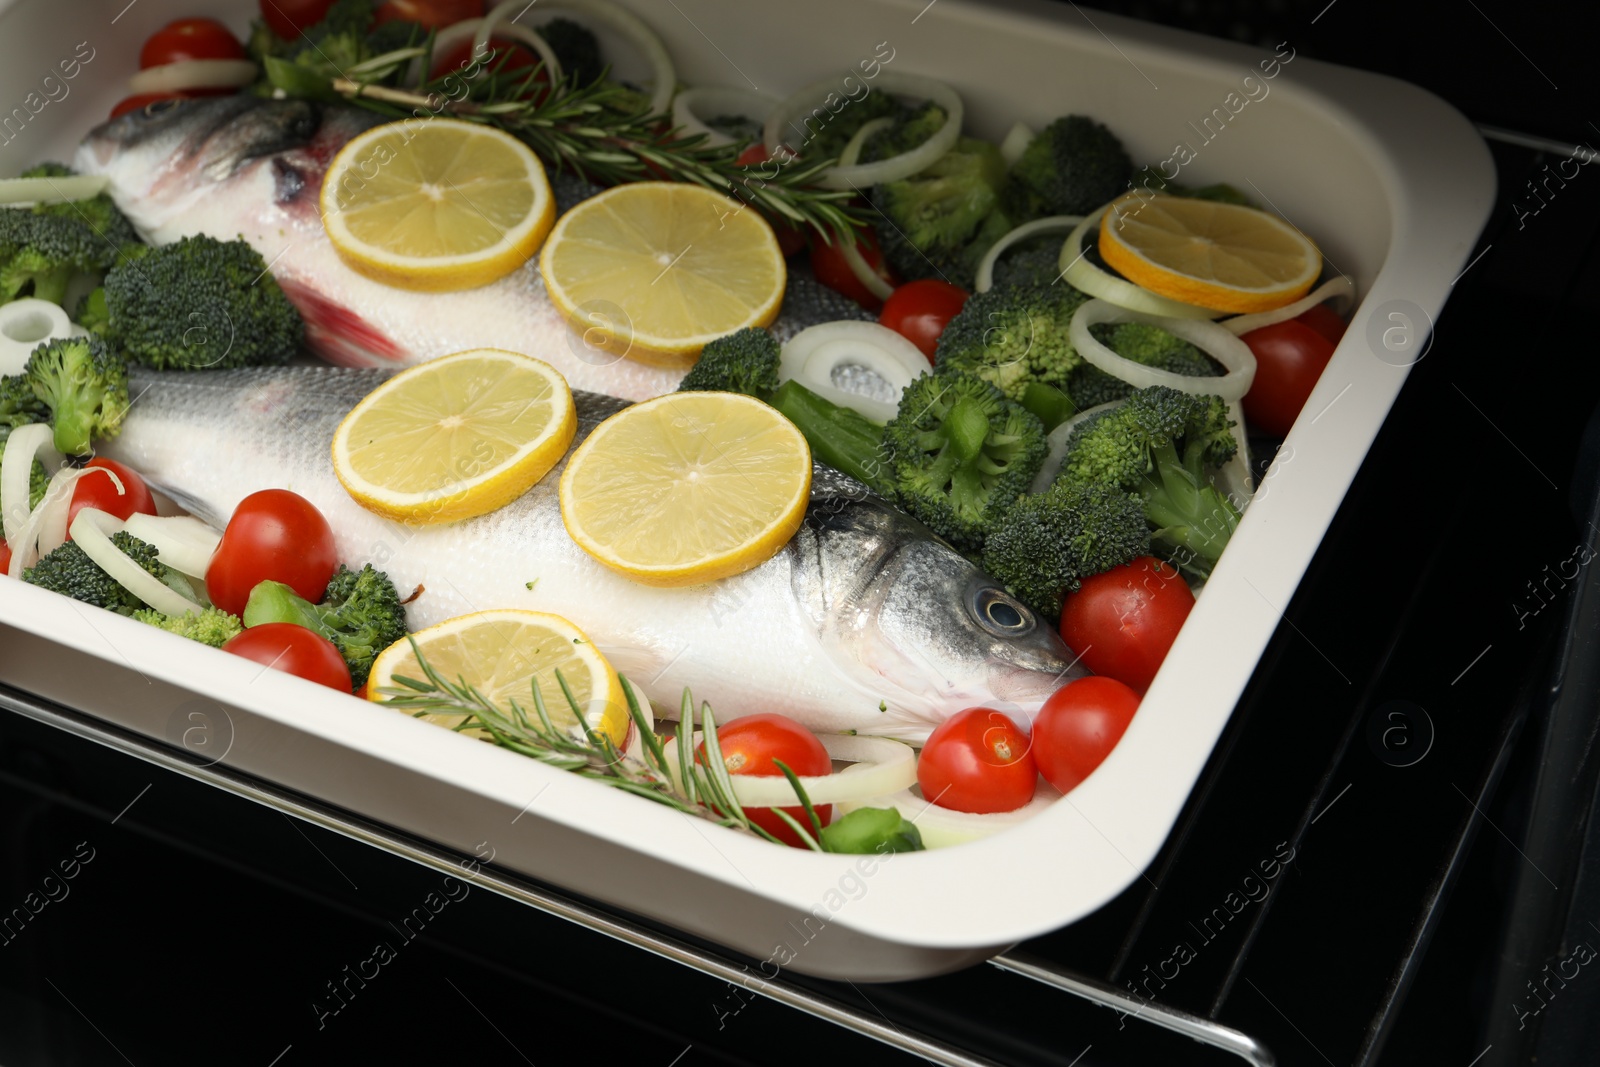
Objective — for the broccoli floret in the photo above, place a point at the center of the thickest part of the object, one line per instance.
(1160, 444)
(1047, 542)
(360, 613)
(99, 213)
(1033, 262)
(1090, 386)
(394, 35)
(911, 127)
(576, 49)
(213, 626)
(823, 135)
(745, 361)
(40, 254)
(960, 453)
(199, 304)
(91, 312)
(18, 405)
(928, 223)
(336, 43)
(1013, 336)
(85, 385)
(1072, 167)
(1150, 179)
(68, 570)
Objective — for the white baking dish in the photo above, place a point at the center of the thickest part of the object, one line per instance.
(1392, 184)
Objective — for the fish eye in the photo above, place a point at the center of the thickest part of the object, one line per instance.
(156, 108)
(1000, 614)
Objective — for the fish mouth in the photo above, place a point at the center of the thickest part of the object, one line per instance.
(222, 133)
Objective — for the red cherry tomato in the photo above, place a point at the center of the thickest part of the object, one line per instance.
(5, 558)
(756, 153)
(751, 744)
(1078, 727)
(189, 39)
(294, 650)
(99, 491)
(288, 17)
(139, 101)
(828, 264)
(919, 311)
(791, 238)
(432, 14)
(1123, 621)
(1325, 321)
(276, 535)
(1290, 357)
(978, 760)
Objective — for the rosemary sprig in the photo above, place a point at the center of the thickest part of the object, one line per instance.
(701, 789)
(603, 132)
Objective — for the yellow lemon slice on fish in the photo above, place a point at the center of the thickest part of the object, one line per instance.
(655, 270)
(1225, 257)
(455, 437)
(687, 488)
(503, 653)
(436, 205)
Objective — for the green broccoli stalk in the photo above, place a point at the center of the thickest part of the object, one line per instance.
(1049, 541)
(1072, 167)
(747, 362)
(929, 224)
(360, 613)
(1089, 386)
(1010, 337)
(200, 304)
(961, 454)
(1160, 444)
(213, 626)
(41, 254)
(86, 386)
(68, 570)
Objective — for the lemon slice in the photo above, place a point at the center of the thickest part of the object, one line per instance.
(1220, 256)
(687, 488)
(657, 269)
(455, 437)
(502, 653)
(436, 205)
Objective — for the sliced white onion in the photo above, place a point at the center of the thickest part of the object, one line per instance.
(496, 22)
(182, 542)
(29, 191)
(193, 74)
(861, 269)
(26, 443)
(618, 18)
(1210, 338)
(714, 100)
(943, 827)
(1342, 289)
(861, 175)
(91, 532)
(1079, 270)
(878, 765)
(1016, 143)
(1233, 477)
(1058, 446)
(812, 354)
(25, 325)
(853, 147)
(1051, 224)
(46, 527)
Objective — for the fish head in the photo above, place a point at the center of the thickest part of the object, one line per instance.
(214, 136)
(917, 624)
